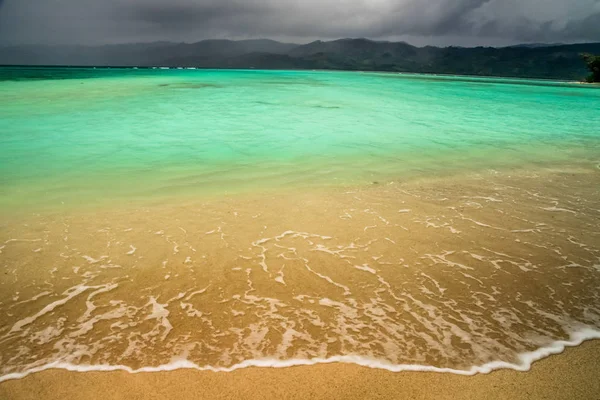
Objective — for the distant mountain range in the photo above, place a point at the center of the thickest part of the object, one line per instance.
(554, 61)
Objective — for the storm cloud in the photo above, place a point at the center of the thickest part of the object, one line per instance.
(462, 22)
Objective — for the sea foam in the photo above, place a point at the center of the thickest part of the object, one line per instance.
(525, 361)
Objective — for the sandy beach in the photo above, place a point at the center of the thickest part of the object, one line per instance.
(229, 219)
(571, 375)
(205, 283)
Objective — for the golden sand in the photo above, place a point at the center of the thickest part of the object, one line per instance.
(569, 376)
(444, 273)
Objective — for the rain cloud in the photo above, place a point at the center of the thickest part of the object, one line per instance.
(461, 22)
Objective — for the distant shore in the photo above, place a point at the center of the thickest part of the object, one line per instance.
(571, 375)
(536, 61)
(331, 70)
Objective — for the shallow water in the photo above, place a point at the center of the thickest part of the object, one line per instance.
(147, 133)
(222, 218)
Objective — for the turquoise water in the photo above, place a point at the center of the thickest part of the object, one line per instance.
(122, 248)
(82, 136)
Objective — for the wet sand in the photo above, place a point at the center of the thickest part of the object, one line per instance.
(571, 375)
(455, 274)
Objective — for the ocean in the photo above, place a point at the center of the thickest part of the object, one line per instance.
(154, 219)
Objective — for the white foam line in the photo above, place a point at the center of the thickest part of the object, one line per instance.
(92, 260)
(70, 293)
(489, 198)
(22, 240)
(482, 224)
(558, 209)
(526, 360)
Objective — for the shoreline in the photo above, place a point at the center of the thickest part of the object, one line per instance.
(526, 360)
(174, 259)
(156, 199)
(160, 252)
(572, 374)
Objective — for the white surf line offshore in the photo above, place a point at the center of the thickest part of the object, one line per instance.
(526, 360)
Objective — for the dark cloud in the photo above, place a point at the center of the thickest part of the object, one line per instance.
(431, 21)
(584, 27)
(454, 16)
(186, 14)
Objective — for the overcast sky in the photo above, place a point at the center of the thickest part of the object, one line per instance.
(420, 22)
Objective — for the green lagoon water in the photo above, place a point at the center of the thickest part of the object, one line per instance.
(166, 219)
(85, 136)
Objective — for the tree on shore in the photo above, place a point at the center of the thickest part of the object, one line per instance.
(593, 64)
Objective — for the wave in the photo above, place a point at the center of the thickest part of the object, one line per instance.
(525, 361)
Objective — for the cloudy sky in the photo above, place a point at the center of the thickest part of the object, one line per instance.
(436, 22)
